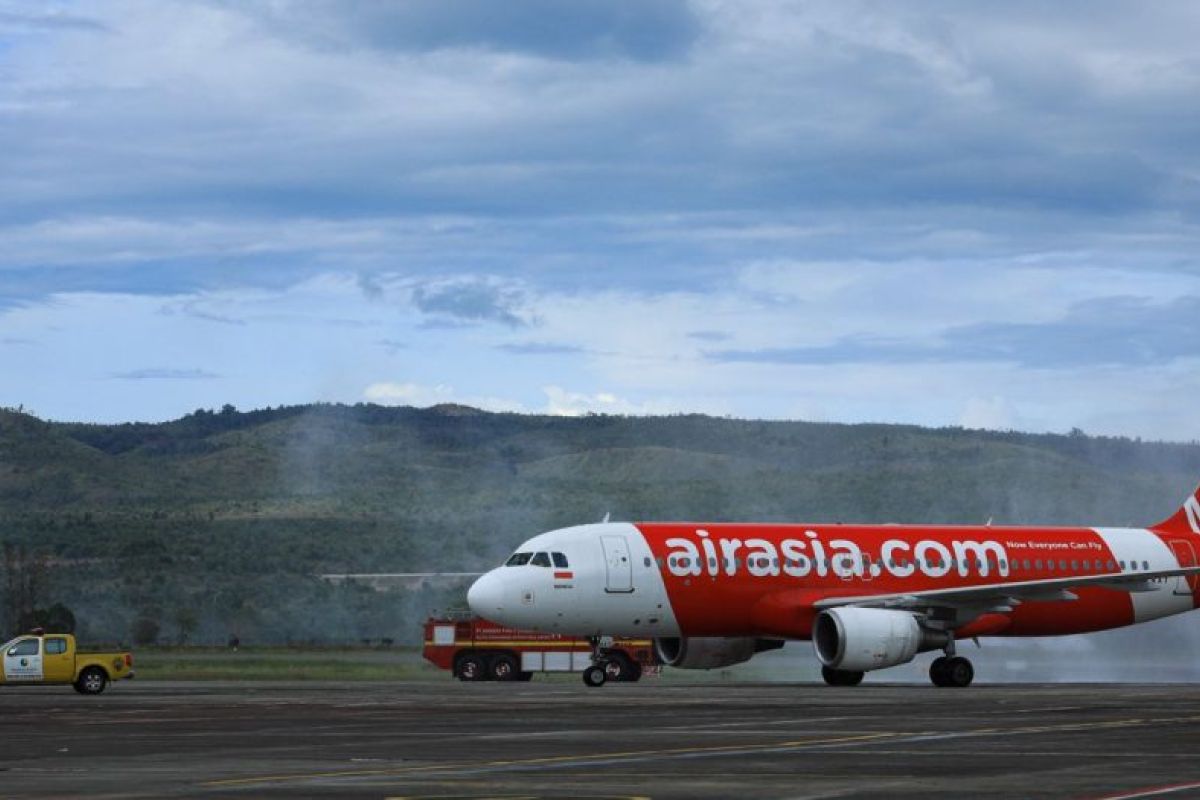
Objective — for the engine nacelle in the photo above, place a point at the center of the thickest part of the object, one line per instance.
(863, 639)
(710, 652)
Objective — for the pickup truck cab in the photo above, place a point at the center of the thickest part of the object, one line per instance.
(39, 659)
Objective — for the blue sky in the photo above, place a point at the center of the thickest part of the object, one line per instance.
(938, 213)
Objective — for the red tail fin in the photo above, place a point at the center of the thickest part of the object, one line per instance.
(1186, 519)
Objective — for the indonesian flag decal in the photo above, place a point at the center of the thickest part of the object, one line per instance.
(562, 575)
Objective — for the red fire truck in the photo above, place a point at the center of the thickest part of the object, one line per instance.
(474, 649)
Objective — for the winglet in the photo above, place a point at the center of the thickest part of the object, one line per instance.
(1186, 519)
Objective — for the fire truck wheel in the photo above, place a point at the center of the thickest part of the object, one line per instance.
(594, 676)
(504, 668)
(471, 668)
(621, 668)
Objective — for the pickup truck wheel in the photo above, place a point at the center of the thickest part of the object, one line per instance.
(92, 681)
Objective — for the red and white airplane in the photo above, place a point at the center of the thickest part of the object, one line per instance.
(869, 597)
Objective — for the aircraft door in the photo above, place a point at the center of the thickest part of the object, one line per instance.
(617, 564)
(23, 661)
(1186, 554)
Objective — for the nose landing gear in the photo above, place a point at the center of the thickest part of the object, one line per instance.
(610, 665)
(594, 676)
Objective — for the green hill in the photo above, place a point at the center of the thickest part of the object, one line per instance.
(214, 524)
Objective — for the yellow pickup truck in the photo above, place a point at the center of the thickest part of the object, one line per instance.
(39, 659)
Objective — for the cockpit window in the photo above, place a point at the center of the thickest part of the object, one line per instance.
(559, 560)
(540, 560)
(518, 560)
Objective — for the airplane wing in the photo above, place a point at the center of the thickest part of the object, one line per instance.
(1005, 595)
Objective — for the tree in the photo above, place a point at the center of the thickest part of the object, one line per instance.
(185, 624)
(145, 630)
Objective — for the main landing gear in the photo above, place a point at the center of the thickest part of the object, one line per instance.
(951, 670)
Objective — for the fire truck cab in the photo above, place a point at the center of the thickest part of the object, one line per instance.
(474, 649)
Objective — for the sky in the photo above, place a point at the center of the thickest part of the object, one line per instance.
(941, 213)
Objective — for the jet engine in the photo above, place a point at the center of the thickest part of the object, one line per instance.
(863, 639)
(710, 652)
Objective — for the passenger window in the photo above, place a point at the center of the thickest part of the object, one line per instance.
(518, 560)
(1146, 565)
(1062, 565)
(1111, 565)
(25, 647)
(540, 560)
(56, 647)
(560, 560)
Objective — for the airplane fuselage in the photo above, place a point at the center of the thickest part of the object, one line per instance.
(723, 579)
(868, 596)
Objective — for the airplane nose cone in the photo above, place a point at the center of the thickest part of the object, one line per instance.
(486, 596)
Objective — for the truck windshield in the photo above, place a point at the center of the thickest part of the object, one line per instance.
(518, 559)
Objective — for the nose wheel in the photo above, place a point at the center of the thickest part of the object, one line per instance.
(594, 676)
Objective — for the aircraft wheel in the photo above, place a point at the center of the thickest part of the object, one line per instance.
(937, 671)
(959, 672)
(841, 677)
(594, 676)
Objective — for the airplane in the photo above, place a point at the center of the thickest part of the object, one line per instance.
(869, 597)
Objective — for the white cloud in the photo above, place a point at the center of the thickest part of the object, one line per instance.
(563, 403)
(989, 413)
(408, 394)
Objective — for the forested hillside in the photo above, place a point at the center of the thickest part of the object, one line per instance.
(214, 525)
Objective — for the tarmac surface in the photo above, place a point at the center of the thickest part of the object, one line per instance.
(654, 739)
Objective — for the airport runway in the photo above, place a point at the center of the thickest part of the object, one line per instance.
(561, 740)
